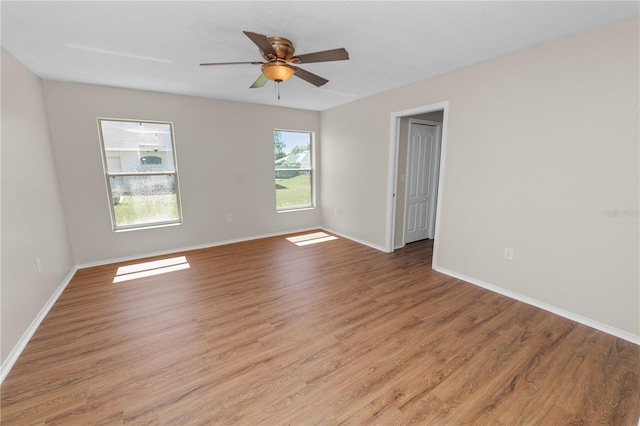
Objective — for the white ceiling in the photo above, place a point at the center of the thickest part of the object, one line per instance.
(158, 45)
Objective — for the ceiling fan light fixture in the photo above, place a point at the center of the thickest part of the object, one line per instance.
(277, 71)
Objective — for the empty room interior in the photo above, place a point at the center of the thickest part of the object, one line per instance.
(452, 236)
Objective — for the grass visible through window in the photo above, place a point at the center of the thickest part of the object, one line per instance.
(135, 209)
(293, 191)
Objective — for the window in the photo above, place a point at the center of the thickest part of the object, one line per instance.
(294, 169)
(151, 159)
(140, 168)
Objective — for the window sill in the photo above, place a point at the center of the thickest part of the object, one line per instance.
(151, 226)
(295, 209)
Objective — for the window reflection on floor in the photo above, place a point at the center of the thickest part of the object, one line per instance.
(314, 238)
(148, 269)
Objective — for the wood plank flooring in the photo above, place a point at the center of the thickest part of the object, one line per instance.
(268, 332)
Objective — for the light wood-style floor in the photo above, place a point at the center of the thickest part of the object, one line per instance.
(268, 332)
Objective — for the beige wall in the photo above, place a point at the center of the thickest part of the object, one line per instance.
(541, 145)
(33, 222)
(225, 163)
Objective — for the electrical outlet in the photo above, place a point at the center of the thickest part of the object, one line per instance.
(229, 218)
(39, 264)
(508, 253)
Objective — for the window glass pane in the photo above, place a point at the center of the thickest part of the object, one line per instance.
(139, 162)
(293, 169)
(137, 147)
(293, 192)
(143, 200)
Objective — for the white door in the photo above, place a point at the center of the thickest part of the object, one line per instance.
(422, 171)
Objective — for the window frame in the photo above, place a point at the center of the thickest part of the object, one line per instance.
(312, 173)
(109, 175)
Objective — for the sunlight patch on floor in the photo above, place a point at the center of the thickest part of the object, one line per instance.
(148, 269)
(314, 238)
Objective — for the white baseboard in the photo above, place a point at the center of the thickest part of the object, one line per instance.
(194, 247)
(8, 363)
(221, 243)
(357, 240)
(549, 308)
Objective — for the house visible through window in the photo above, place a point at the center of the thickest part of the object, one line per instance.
(293, 169)
(151, 160)
(141, 173)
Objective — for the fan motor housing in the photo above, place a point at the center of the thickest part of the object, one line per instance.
(283, 47)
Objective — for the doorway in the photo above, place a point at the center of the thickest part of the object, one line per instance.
(420, 179)
(435, 114)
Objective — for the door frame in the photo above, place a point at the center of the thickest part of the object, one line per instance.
(392, 179)
(433, 178)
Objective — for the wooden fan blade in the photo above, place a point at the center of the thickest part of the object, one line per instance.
(324, 56)
(262, 42)
(316, 80)
(260, 82)
(206, 64)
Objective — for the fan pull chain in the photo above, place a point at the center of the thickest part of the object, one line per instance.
(278, 87)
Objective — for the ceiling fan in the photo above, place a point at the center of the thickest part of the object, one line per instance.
(280, 62)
